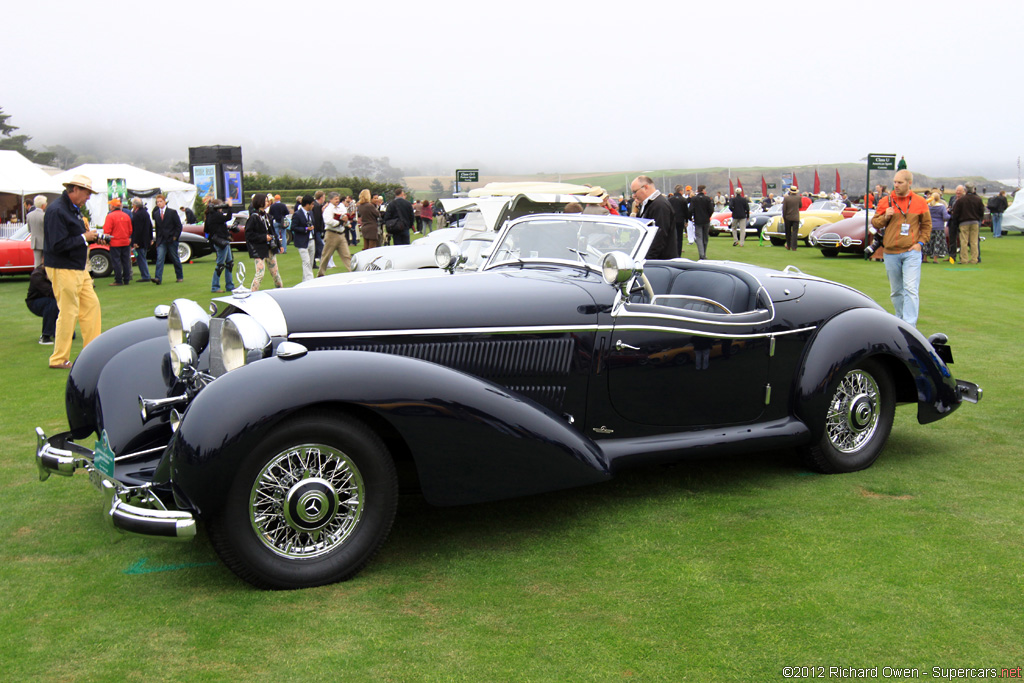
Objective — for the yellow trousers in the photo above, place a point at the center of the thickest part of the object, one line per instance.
(77, 302)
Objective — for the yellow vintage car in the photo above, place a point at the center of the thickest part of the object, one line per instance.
(831, 211)
(776, 233)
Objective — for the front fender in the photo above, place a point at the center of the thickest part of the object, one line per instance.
(857, 334)
(82, 395)
(471, 440)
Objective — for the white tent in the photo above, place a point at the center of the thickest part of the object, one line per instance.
(139, 182)
(20, 177)
(1013, 217)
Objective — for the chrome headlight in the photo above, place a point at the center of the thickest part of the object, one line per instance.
(617, 267)
(847, 241)
(183, 361)
(448, 255)
(242, 341)
(188, 323)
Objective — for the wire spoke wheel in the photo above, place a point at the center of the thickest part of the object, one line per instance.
(853, 413)
(306, 501)
(309, 505)
(856, 421)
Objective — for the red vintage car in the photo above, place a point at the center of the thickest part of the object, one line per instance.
(16, 256)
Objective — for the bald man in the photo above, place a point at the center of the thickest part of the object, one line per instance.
(904, 224)
(652, 204)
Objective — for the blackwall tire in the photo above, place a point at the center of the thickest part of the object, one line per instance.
(857, 421)
(99, 263)
(310, 506)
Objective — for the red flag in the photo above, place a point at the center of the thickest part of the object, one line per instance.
(839, 186)
(730, 187)
(795, 183)
(764, 187)
(817, 183)
(739, 183)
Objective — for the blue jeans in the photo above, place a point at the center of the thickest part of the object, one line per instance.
(904, 271)
(224, 265)
(997, 225)
(282, 234)
(140, 261)
(166, 250)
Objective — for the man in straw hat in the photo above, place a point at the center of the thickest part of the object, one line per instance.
(65, 255)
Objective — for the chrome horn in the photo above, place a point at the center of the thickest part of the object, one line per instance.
(155, 407)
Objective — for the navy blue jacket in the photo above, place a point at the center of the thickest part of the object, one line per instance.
(63, 244)
(301, 227)
(142, 228)
(168, 230)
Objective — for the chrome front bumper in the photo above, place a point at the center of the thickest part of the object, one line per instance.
(132, 509)
(969, 391)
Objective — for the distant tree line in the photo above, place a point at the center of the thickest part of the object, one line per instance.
(262, 182)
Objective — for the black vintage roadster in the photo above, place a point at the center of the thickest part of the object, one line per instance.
(285, 420)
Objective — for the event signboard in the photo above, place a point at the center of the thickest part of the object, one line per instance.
(205, 180)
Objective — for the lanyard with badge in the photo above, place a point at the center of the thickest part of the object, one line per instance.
(905, 225)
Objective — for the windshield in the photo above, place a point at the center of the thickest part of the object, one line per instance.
(20, 234)
(566, 240)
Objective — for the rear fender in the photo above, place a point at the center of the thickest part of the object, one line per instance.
(471, 440)
(849, 338)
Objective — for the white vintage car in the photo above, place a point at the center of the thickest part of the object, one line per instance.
(475, 222)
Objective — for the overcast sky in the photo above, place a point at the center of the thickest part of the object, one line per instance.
(527, 86)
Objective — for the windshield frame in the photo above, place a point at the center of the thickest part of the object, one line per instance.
(642, 245)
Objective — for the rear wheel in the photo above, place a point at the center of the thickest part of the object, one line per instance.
(184, 252)
(99, 262)
(310, 506)
(857, 421)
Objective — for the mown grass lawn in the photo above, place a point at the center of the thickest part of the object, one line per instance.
(728, 569)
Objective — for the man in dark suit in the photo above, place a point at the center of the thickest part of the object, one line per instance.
(302, 235)
(142, 237)
(398, 218)
(168, 229)
(654, 205)
(319, 199)
(681, 209)
(701, 208)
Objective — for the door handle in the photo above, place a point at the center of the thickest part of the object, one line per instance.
(621, 346)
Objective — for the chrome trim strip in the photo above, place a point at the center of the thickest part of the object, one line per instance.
(705, 333)
(552, 329)
(528, 329)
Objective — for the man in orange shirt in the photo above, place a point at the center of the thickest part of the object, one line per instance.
(117, 228)
(904, 226)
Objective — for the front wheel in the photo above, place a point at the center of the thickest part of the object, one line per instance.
(777, 241)
(310, 506)
(830, 253)
(857, 421)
